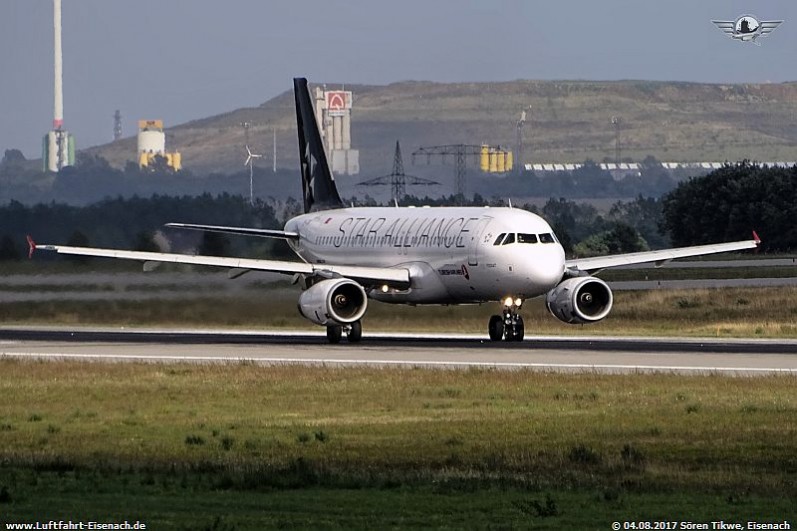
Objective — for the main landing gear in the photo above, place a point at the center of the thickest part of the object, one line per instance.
(354, 332)
(509, 325)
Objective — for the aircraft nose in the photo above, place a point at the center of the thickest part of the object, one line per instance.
(546, 268)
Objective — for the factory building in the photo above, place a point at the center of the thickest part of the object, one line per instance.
(152, 144)
(333, 114)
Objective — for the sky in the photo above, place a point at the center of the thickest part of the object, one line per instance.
(180, 60)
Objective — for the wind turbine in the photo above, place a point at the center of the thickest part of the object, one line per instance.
(250, 161)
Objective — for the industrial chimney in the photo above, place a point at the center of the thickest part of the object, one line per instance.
(58, 146)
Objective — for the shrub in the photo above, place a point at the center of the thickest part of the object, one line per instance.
(537, 508)
(194, 440)
(631, 455)
(584, 455)
(687, 303)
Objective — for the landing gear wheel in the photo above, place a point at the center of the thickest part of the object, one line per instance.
(509, 325)
(355, 332)
(496, 328)
(519, 330)
(334, 334)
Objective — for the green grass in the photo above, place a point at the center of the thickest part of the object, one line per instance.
(175, 501)
(184, 444)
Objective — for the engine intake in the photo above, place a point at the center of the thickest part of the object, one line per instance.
(333, 302)
(580, 300)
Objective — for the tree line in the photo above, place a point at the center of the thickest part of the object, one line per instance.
(137, 223)
(725, 205)
(731, 202)
(92, 179)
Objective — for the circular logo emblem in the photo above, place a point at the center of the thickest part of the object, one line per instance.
(746, 24)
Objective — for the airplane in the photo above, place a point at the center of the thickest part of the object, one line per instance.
(408, 255)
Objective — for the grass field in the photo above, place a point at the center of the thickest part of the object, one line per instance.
(241, 446)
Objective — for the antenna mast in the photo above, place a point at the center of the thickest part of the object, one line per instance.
(117, 125)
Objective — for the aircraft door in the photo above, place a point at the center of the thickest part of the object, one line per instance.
(475, 241)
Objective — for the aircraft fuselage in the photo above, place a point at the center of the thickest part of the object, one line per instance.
(453, 253)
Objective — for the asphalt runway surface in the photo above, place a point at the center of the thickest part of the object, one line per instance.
(546, 353)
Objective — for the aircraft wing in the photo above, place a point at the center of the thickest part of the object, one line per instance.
(364, 275)
(241, 231)
(660, 258)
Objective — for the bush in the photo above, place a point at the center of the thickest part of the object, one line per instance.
(194, 440)
(584, 455)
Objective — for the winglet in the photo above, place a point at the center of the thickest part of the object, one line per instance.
(756, 238)
(31, 246)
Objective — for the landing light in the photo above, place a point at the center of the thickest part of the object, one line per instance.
(518, 302)
(508, 301)
(385, 288)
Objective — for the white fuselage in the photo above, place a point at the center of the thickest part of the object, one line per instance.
(452, 253)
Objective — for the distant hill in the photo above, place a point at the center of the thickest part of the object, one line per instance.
(570, 121)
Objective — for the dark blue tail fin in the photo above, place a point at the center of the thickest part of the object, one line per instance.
(318, 185)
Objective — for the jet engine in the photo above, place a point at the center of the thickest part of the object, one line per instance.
(580, 300)
(333, 302)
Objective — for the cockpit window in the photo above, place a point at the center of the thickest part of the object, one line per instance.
(510, 238)
(547, 238)
(526, 238)
(500, 238)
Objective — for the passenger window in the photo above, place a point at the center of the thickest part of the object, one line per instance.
(526, 238)
(500, 238)
(546, 238)
(510, 238)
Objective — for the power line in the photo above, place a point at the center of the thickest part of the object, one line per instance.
(460, 152)
(398, 180)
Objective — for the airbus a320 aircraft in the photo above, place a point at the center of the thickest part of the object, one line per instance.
(429, 255)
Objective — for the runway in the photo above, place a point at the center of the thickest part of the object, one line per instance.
(451, 351)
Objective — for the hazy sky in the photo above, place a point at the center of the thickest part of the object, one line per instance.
(184, 59)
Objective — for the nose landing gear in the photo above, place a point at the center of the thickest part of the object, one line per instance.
(508, 326)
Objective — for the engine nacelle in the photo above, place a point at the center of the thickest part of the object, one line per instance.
(580, 300)
(333, 302)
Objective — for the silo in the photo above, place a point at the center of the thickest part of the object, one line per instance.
(329, 135)
(484, 160)
(345, 133)
(151, 138)
(493, 161)
(337, 127)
